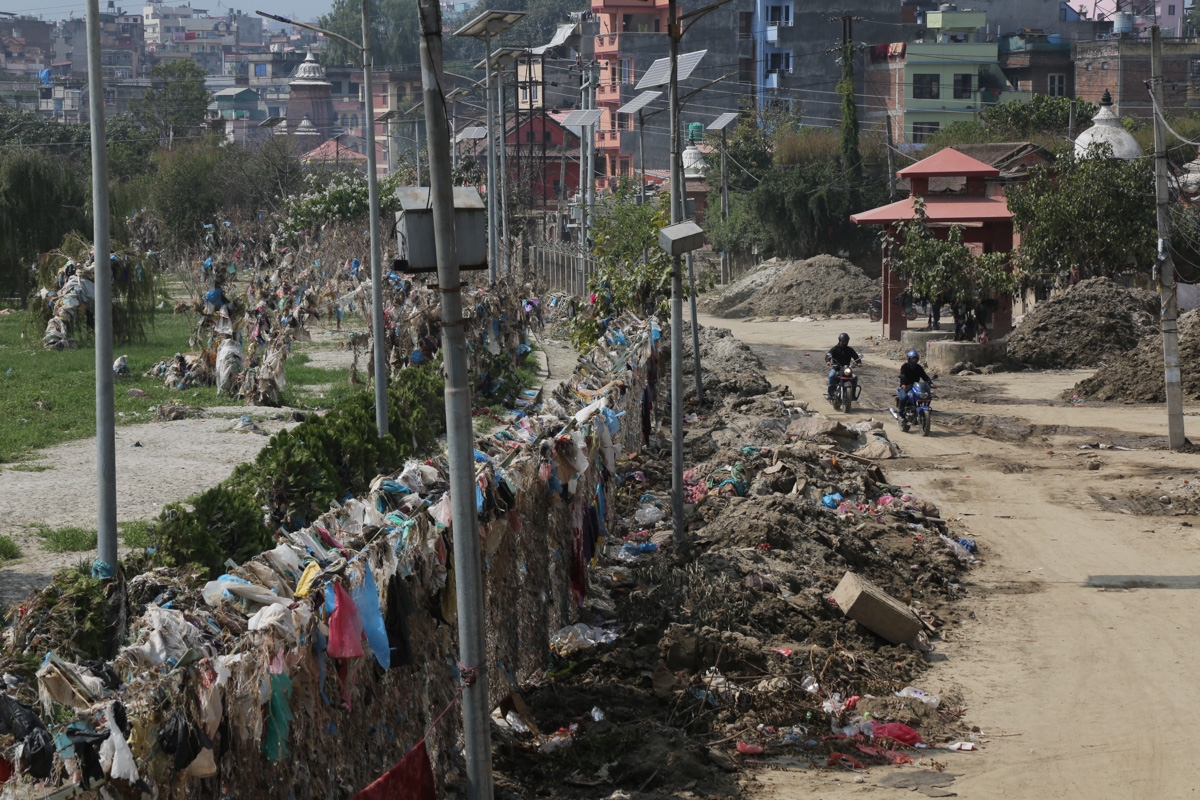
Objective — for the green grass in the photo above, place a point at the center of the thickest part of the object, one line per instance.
(135, 534)
(48, 397)
(9, 549)
(66, 540)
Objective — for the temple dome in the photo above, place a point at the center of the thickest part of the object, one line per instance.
(1107, 129)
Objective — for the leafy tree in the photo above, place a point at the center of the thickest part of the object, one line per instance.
(177, 101)
(42, 199)
(1043, 119)
(623, 231)
(944, 268)
(395, 36)
(130, 148)
(1095, 215)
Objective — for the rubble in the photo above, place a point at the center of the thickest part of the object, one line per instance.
(1136, 376)
(1086, 326)
(821, 285)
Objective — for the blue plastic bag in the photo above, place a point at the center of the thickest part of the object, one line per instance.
(366, 597)
(831, 500)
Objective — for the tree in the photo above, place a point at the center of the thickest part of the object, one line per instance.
(395, 33)
(1092, 215)
(851, 158)
(623, 231)
(1044, 119)
(944, 268)
(130, 148)
(177, 101)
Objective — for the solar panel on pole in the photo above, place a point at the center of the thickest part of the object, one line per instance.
(638, 103)
(722, 122)
(582, 118)
(659, 73)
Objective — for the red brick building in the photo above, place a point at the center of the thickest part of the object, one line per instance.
(1122, 66)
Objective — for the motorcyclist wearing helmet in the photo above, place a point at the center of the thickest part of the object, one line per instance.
(840, 356)
(911, 371)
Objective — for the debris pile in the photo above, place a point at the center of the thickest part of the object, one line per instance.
(820, 286)
(1136, 376)
(1086, 326)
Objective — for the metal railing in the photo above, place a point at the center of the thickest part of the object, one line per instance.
(563, 267)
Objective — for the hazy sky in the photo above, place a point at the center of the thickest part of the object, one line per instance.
(306, 10)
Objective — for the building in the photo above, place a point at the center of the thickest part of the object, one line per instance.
(986, 220)
(236, 102)
(543, 159)
(175, 33)
(310, 98)
(952, 73)
(1108, 131)
(1038, 63)
(1121, 66)
(1055, 17)
(1136, 17)
(122, 47)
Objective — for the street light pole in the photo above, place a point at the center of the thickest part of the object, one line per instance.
(503, 161)
(678, 529)
(460, 440)
(106, 454)
(493, 238)
(377, 323)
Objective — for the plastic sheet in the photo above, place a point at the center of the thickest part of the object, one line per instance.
(345, 626)
(366, 596)
(279, 718)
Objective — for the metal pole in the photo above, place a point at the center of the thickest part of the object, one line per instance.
(460, 440)
(1166, 266)
(106, 453)
(584, 132)
(676, 285)
(493, 238)
(593, 76)
(503, 114)
(692, 298)
(377, 323)
(726, 267)
(891, 168)
(1071, 121)
(642, 166)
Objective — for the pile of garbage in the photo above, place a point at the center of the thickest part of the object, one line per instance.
(353, 613)
(819, 286)
(1086, 326)
(1136, 376)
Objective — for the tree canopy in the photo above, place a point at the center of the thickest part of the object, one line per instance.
(395, 35)
(177, 101)
(1095, 215)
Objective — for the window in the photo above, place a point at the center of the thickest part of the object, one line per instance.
(1103, 65)
(962, 86)
(534, 92)
(746, 67)
(626, 70)
(531, 136)
(624, 166)
(352, 88)
(779, 62)
(1057, 85)
(626, 21)
(524, 94)
(260, 70)
(337, 87)
(745, 24)
(625, 122)
(1170, 11)
(110, 97)
(926, 87)
(921, 131)
(779, 15)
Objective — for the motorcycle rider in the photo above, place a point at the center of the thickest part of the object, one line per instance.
(840, 356)
(911, 371)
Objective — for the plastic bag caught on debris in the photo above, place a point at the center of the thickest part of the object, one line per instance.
(229, 364)
(579, 636)
(70, 684)
(115, 756)
(956, 548)
(273, 616)
(649, 514)
(227, 586)
(345, 626)
(931, 700)
(169, 637)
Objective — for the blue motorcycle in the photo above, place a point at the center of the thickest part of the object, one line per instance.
(917, 412)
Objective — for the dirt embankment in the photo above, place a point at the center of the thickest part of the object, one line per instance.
(1137, 375)
(1086, 326)
(821, 286)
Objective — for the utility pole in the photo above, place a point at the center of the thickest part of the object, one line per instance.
(726, 267)
(593, 79)
(1166, 267)
(106, 453)
(377, 321)
(674, 31)
(1071, 121)
(502, 112)
(891, 166)
(692, 295)
(460, 441)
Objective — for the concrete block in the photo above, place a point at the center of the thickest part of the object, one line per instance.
(918, 340)
(941, 356)
(876, 610)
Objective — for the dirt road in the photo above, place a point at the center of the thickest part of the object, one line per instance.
(1079, 658)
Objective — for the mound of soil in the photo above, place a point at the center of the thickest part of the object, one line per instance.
(729, 366)
(821, 285)
(1137, 376)
(1084, 327)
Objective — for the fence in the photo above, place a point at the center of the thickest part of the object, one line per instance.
(563, 267)
(244, 695)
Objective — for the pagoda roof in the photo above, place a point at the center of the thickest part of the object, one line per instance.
(948, 163)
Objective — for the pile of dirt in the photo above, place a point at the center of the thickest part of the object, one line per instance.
(730, 368)
(1137, 375)
(822, 285)
(730, 642)
(1085, 326)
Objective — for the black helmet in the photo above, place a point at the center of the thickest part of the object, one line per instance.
(843, 338)
(913, 356)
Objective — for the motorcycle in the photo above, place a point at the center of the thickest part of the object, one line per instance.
(917, 412)
(875, 308)
(845, 389)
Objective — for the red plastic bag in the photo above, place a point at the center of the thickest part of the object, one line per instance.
(345, 626)
(894, 756)
(834, 758)
(898, 731)
(749, 749)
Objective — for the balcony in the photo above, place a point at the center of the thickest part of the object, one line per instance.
(608, 92)
(775, 78)
(606, 43)
(773, 29)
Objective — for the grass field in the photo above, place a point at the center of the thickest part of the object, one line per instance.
(47, 397)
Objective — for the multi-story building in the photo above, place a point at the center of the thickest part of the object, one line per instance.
(1038, 63)
(122, 46)
(952, 73)
(176, 33)
(1122, 67)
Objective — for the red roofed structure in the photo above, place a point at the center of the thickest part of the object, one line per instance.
(986, 221)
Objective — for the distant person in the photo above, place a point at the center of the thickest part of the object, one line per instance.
(911, 371)
(840, 356)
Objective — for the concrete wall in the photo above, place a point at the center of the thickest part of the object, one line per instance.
(1122, 66)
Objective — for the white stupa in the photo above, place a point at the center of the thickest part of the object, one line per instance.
(1107, 129)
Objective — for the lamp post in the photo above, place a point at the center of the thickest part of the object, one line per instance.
(377, 323)
(485, 26)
